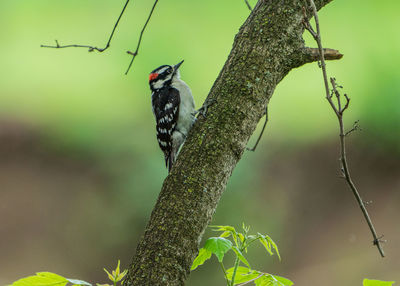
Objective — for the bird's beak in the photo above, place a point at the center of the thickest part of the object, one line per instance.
(176, 67)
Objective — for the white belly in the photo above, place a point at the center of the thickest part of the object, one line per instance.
(186, 107)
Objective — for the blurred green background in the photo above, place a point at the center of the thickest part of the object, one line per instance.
(80, 168)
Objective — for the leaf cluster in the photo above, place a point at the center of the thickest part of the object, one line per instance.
(238, 243)
(52, 279)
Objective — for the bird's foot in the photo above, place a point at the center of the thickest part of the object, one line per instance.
(203, 110)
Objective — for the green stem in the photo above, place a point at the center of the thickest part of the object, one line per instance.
(234, 270)
(226, 277)
(250, 242)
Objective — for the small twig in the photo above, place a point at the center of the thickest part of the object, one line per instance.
(248, 5)
(339, 114)
(356, 127)
(135, 53)
(347, 102)
(317, 37)
(307, 24)
(262, 131)
(92, 48)
(379, 240)
(337, 95)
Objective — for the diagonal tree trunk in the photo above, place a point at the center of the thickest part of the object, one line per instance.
(269, 44)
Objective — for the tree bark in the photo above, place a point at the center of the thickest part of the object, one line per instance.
(269, 44)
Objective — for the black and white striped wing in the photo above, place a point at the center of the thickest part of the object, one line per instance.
(166, 110)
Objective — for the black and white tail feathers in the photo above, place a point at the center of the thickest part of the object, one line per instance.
(169, 160)
(166, 111)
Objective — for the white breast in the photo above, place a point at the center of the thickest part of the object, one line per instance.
(186, 107)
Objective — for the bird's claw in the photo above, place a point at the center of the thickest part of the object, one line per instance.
(203, 110)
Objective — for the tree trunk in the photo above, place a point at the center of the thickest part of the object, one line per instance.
(269, 44)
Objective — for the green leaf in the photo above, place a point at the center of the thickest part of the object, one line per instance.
(240, 255)
(269, 244)
(219, 246)
(241, 237)
(79, 282)
(283, 280)
(109, 275)
(240, 269)
(225, 228)
(122, 275)
(274, 246)
(204, 254)
(42, 279)
(369, 282)
(266, 245)
(266, 280)
(251, 237)
(272, 280)
(225, 234)
(117, 271)
(245, 228)
(116, 274)
(243, 274)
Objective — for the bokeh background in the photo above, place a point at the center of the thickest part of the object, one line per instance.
(80, 169)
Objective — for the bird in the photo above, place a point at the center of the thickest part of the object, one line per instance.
(173, 108)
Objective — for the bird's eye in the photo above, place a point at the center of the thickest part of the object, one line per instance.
(169, 70)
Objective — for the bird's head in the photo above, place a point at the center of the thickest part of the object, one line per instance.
(163, 76)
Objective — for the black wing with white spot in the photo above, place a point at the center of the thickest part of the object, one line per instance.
(166, 110)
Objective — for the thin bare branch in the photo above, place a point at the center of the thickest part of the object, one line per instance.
(248, 5)
(339, 113)
(347, 102)
(307, 24)
(356, 127)
(135, 53)
(317, 37)
(261, 133)
(92, 48)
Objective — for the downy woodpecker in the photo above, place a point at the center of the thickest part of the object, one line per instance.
(173, 108)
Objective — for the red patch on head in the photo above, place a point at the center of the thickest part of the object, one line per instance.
(153, 76)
